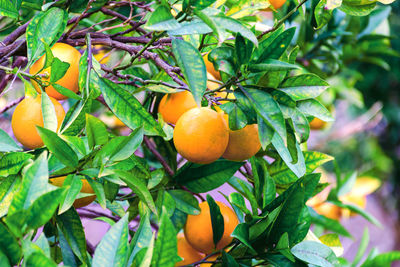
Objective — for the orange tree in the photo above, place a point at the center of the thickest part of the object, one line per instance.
(241, 99)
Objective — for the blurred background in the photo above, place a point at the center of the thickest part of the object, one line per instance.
(363, 68)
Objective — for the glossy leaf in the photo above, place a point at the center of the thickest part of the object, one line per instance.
(12, 163)
(39, 259)
(161, 20)
(9, 9)
(304, 86)
(185, 201)
(34, 184)
(235, 26)
(217, 221)
(193, 68)
(329, 224)
(95, 131)
(277, 47)
(113, 247)
(315, 253)
(128, 109)
(49, 113)
(241, 233)
(45, 27)
(61, 150)
(201, 178)
(7, 144)
(165, 250)
(70, 225)
(314, 108)
(141, 238)
(59, 68)
(9, 245)
(271, 65)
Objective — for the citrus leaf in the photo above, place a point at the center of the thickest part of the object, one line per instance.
(45, 27)
(71, 227)
(49, 113)
(304, 86)
(315, 253)
(235, 26)
(193, 68)
(96, 131)
(217, 220)
(61, 150)
(113, 247)
(7, 144)
(277, 46)
(185, 201)
(161, 20)
(39, 259)
(128, 109)
(271, 65)
(12, 163)
(201, 178)
(34, 184)
(8, 9)
(165, 250)
(9, 245)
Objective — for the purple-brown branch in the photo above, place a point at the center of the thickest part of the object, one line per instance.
(157, 154)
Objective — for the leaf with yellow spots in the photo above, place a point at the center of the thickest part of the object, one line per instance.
(333, 241)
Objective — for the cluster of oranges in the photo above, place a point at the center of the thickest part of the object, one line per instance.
(197, 239)
(201, 134)
(28, 113)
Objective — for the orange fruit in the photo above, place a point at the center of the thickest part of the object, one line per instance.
(198, 228)
(65, 53)
(27, 115)
(187, 252)
(172, 106)
(117, 122)
(86, 188)
(276, 4)
(328, 210)
(223, 95)
(317, 124)
(201, 135)
(243, 143)
(210, 84)
(210, 68)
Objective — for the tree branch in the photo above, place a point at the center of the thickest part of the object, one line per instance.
(157, 154)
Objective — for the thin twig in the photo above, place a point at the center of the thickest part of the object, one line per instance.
(280, 22)
(157, 154)
(79, 18)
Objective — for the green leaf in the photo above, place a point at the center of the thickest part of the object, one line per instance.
(192, 66)
(384, 259)
(39, 259)
(322, 14)
(165, 250)
(3, 258)
(161, 20)
(265, 132)
(96, 131)
(66, 92)
(9, 245)
(191, 27)
(329, 224)
(8, 9)
(315, 253)
(219, 32)
(58, 69)
(271, 65)
(298, 168)
(75, 186)
(201, 4)
(243, 49)
(74, 120)
(139, 188)
(236, 117)
(99, 191)
(357, 10)
(61, 150)
(148, 257)
(49, 113)
(300, 122)
(217, 220)
(128, 109)
(304, 86)
(283, 175)
(7, 144)
(235, 26)
(142, 237)
(12, 163)
(44, 207)
(9, 186)
(34, 184)
(185, 201)
(358, 210)
(362, 248)
(238, 200)
(314, 108)
(70, 225)
(200, 178)
(267, 108)
(45, 27)
(228, 260)
(241, 233)
(286, 222)
(113, 248)
(277, 47)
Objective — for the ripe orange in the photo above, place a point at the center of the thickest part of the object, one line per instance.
(27, 115)
(243, 143)
(172, 106)
(86, 188)
(328, 210)
(276, 4)
(187, 252)
(65, 53)
(317, 124)
(201, 135)
(210, 67)
(198, 228)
